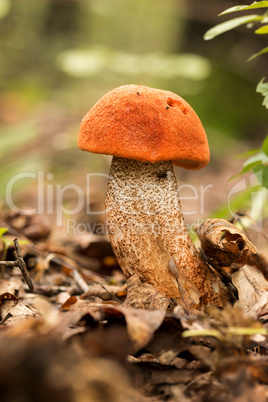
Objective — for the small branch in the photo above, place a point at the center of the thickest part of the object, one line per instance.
(22, 266)
(9, 263)
(79, 280)
(19, 263)
(113, 297)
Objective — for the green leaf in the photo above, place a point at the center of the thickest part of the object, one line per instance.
(248, 153)
(261, 173)
(231, 331)
(246, 331)
(240, 201)
(262, 30)
(265, 145)
(265, 18)
(231, 24)
(262, 88)
(260, 4)
(263, 51)
(202, 332)
(260, 157)
(246, 169)
(257, 160)
(250, 166)
(6, 242)
(3, 231)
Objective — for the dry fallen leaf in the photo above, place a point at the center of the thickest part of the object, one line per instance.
(223, 244)
(105, 292)
(252, 290)
(11, 285)
(13, 310)
(31, 225)
(143, 295)
(141, 324)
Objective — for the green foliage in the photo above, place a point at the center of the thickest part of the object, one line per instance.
(258, 162)
(260, 4)
(265, 145)
(258, 158)
(263, 51)
(228, 335)
(262, 88)
(2, 232)
(262, 30)
(248, 20)
(231, 24)
(242, 201)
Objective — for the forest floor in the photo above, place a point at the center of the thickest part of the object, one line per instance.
(72, 339)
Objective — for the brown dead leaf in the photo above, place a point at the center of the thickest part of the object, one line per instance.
(12, 285)
(14, 309)
(253, 370)
(167, 345)
(105, 292)
(141, 324)
(42, 316)
(68, 303)
(165, 381)
(33, 226)
(253, 291)
(143, 295)
(260, 262)
(223, 244)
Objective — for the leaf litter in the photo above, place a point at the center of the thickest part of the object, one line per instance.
(75, 338)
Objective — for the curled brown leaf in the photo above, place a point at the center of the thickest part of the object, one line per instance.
(223, 244)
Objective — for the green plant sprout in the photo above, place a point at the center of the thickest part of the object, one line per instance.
(228, 335)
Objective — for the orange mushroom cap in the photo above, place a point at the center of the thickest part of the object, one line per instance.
(146, 124)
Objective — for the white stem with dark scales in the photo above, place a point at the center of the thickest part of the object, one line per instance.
(149, 236)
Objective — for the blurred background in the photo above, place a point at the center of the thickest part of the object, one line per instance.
(58, 57)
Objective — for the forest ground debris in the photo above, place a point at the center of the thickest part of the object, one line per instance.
(86, 343)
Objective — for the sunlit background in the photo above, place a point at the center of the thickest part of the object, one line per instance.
(58, 57)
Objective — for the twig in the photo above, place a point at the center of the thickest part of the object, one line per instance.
(79, 280)
(113, 297)
(19, 263)
(22, 266)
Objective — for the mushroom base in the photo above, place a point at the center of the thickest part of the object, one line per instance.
(149, 236)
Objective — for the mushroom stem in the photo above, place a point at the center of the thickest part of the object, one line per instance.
(149, 236)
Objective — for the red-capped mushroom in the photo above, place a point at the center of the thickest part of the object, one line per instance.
(147, 130)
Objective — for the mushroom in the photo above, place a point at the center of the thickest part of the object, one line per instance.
(147, 131)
